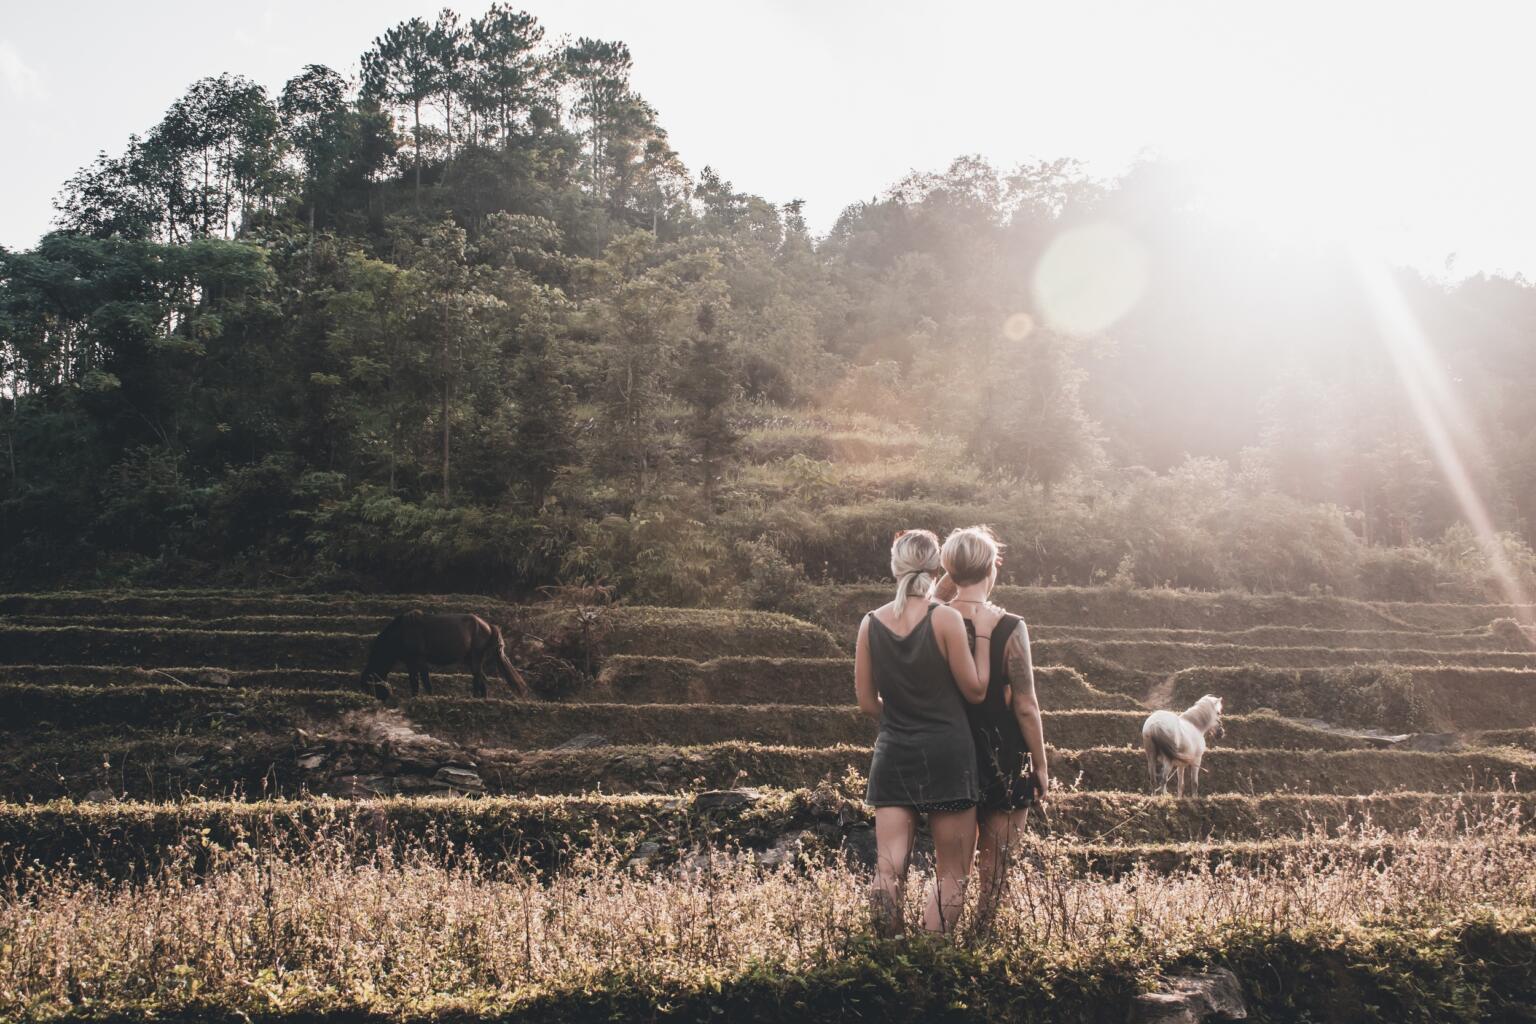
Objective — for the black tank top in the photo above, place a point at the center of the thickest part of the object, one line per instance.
(1002, 757)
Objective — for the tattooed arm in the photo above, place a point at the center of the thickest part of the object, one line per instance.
(1026, 708)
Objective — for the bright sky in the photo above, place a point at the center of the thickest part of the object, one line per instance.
(1403, 123)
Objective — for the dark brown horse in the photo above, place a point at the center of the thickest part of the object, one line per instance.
(420, 639)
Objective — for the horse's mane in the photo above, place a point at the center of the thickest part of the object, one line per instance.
(1202, 714)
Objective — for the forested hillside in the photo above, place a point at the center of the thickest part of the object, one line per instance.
(470, 323)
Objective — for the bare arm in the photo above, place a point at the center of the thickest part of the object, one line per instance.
(1026, 707)
(864, 675)
(972, 671)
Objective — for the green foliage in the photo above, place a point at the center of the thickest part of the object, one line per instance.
(773, 582)
(518, 301)
(1399, 574)
(406, 545)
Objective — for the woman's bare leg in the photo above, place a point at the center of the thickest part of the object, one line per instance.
(954, 849)
(995, 854)
(895, 828)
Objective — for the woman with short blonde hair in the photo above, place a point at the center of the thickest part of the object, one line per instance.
(1012, 774)
(913, 673)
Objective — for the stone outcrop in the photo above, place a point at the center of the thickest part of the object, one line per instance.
(1191, 999)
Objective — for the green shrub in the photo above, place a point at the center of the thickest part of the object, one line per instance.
(772, 582)
(410, 546)
(1399, 574)
(1509, 633)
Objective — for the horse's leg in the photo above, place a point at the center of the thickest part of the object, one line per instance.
(1194, 779)
(415, 679)
(1179, 773)
(1152, 763)
(477, 665)
(426, 680)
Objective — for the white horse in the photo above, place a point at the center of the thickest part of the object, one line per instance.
(1176, 742)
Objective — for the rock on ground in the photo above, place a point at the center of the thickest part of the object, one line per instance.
(1192, 998)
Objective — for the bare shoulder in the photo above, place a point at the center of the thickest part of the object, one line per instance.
(886, 613)
(949, 618)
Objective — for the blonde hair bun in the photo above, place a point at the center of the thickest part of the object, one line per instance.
(914, 561)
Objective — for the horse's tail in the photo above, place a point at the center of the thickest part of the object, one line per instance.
(504, 667)
(1162, 748)
(1157, 735)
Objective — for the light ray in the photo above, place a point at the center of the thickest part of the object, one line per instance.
(1446, 425)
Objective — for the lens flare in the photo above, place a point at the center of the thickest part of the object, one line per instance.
(1446, 425)
(1018, 327)
(1089, 277)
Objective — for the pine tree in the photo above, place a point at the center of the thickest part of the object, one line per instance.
(544, 431)
(709, 384)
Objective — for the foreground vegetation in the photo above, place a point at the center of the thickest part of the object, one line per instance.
(1437, 931)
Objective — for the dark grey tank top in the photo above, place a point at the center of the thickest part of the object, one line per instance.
(924, 753)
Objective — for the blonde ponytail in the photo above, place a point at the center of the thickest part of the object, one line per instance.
(914, 562)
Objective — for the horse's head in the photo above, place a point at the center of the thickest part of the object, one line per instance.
(375, 683)
(1214, 704)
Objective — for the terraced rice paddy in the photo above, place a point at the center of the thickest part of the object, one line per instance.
(159, 730)
(203, 693)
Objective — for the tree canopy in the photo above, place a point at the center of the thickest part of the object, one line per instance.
(470, 321)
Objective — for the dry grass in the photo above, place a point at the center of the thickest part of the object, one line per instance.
(313, 926)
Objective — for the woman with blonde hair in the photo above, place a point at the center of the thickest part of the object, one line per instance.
(912, 666)
(1006, 730)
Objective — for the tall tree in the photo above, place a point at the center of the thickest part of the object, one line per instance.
(599, 74)
(545, 427)
(402, 69)
(218, 143)
(708, 384)
(457, 322)
(449, 49)
(504, 68)
(377, 393)
(314, 113)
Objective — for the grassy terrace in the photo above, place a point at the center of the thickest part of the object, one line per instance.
(1163, 657)
(1454, 698)
(1107, 828)
(537, 724)
(640, 631)
(1448, 698)
(1077, 607)
(1482, 639)
(160, 765)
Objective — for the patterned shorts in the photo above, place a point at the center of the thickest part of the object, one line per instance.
(941, 806)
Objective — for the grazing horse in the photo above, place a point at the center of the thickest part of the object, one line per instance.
(420, 640)
(1177, 742)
